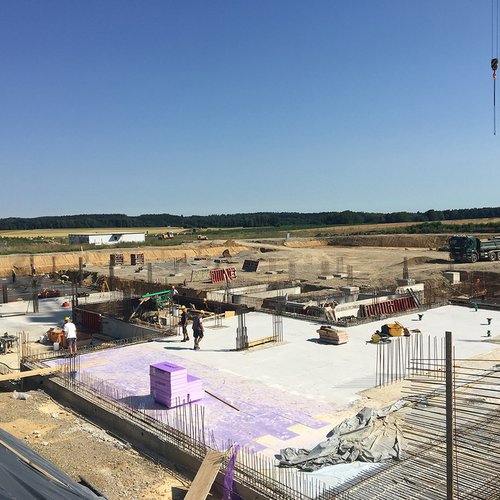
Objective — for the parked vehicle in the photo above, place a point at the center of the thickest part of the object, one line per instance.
(166, 236)
(472, 249)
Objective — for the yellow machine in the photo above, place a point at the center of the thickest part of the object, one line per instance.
(393, 329)
(387, 331)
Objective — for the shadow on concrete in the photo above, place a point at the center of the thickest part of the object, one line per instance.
(145, 401)
(49, 318)
(178, 493)
(314, 341)
(190, 348)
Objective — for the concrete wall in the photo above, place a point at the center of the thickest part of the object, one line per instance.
(254, 291)
(119, 329)
(353, 308)
(292, 290)
(417, 288)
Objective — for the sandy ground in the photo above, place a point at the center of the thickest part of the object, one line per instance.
(302, 259)
(370, 267)
(58, 434)
(82, 449)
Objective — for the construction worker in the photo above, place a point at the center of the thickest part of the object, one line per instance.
(198, 329)
(183, 323)
(70, 333)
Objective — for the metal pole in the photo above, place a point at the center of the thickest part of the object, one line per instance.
(449, 418)
(35, 296)
(80, 271)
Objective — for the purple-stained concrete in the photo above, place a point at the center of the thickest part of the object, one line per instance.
(262, 409)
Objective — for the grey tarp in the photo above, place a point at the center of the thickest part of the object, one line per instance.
(22, 481)
(370, 436)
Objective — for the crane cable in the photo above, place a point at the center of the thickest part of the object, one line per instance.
(494, 56)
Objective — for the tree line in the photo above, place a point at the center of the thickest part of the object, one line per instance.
(258, 219)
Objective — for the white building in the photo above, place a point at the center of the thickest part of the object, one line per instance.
(105, 238)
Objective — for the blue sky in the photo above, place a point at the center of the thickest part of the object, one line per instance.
(205, 107)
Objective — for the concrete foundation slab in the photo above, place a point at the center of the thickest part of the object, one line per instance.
(284, 395)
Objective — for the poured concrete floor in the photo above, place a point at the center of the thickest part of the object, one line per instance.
(285, 395)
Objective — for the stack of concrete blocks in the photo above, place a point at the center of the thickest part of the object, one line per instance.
(172, 386)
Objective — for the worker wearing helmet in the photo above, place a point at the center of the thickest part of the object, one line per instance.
(70, 333)
(183, 323)
(198, 329)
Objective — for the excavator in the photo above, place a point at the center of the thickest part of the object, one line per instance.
(157, 301)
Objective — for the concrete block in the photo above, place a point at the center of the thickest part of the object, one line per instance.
(350, 290)
(452, 276)
(417, 288)
(325, 276)
(339, 275)
(406, 282)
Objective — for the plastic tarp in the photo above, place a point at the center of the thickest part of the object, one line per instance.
(26, 475)
(372, 435)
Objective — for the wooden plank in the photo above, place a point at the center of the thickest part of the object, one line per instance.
(47, 371)
(205, 477)
(30, 373)
(222, 400)
(265, 340)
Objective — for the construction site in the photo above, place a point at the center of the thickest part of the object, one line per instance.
(351, 367)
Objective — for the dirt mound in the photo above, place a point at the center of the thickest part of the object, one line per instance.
(47, 263)
(306, 243)
(417, 261)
